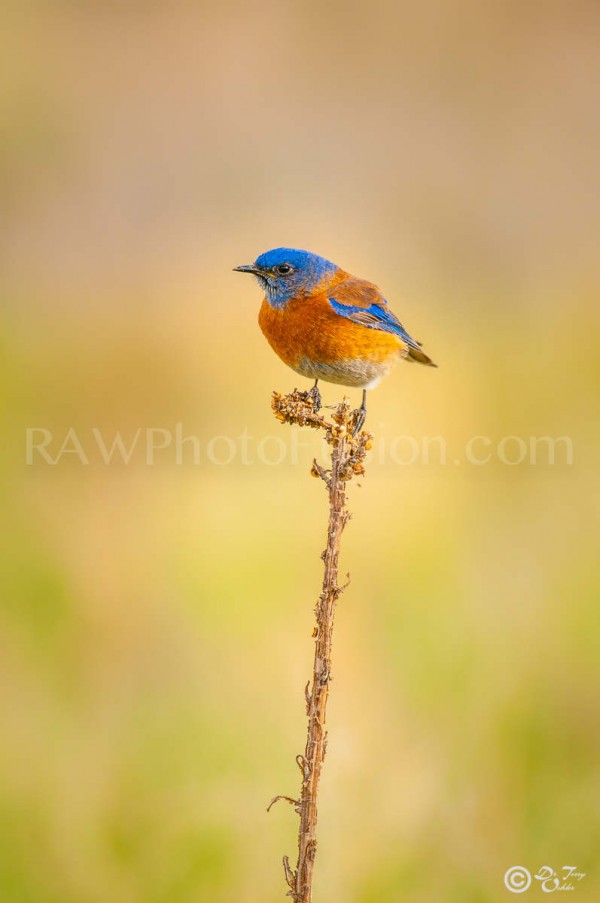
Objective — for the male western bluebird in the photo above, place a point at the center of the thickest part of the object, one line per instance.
(326, 324)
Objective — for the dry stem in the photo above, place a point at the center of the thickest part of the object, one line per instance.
(347, 457)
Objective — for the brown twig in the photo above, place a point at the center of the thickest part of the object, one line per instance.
(347, 460)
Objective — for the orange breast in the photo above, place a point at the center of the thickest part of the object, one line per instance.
(309, 328)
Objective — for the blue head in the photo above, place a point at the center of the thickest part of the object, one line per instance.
(285, 273)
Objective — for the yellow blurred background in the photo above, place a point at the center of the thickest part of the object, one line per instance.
(156, 617)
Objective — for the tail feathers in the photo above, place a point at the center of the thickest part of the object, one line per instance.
(415, 354)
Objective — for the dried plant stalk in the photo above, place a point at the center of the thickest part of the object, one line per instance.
(347, 457)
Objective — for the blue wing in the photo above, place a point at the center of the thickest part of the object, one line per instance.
(362, 303)
(375, 317)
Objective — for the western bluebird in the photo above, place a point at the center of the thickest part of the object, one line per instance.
(326, 324)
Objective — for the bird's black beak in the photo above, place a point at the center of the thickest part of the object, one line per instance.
(248, 268)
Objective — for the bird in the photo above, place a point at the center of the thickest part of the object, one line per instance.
(327, 324)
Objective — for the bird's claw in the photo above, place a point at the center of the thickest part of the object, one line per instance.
(315, 396)
(359, 416)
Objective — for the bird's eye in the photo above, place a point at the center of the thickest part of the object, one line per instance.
(284, 269)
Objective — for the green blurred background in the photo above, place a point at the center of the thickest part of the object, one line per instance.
(156, 618)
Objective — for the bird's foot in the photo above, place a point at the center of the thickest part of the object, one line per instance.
(315, 396)
(359, 416)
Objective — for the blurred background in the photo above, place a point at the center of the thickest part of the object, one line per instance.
(156, 617)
